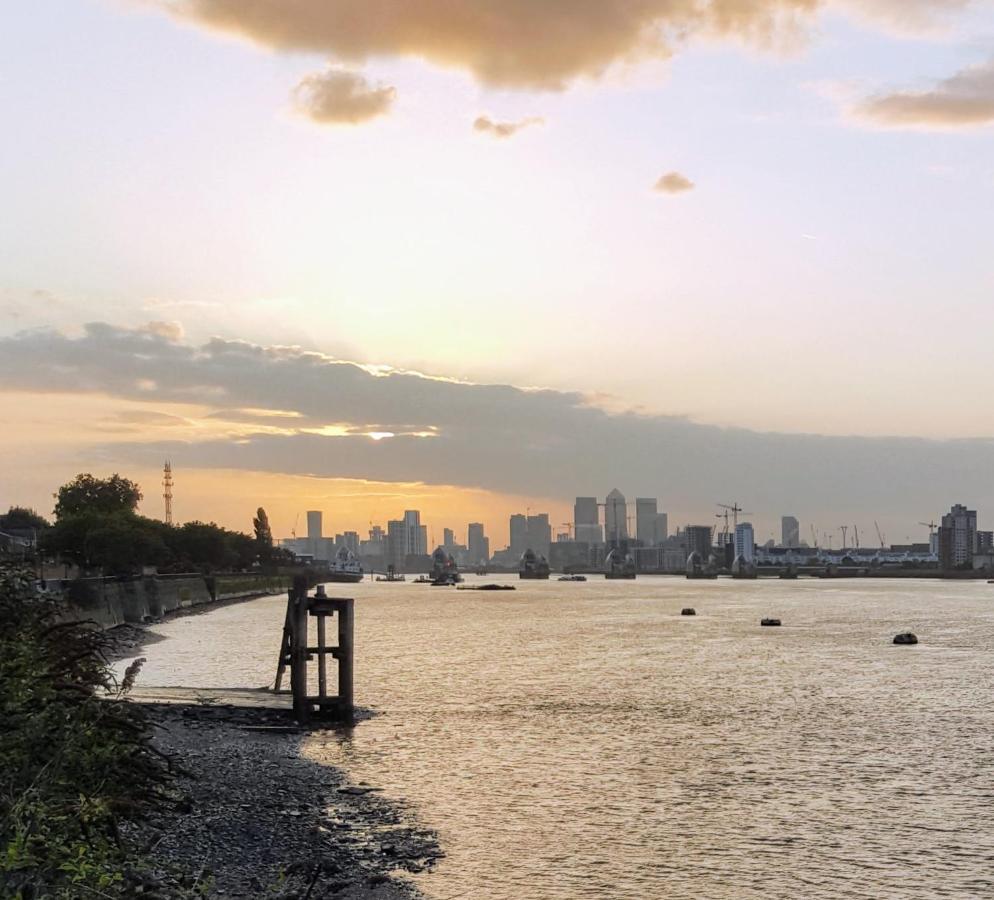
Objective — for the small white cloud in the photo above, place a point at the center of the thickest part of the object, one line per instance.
(673, 183)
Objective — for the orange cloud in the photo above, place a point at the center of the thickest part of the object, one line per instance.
(673, 183)
(504, 129)
(338, 97)
(963, 100)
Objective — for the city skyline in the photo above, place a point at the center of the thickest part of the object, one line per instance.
(306, 283)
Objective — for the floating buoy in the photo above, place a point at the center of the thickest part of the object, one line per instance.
(688, 611)
(905, 637)
(770, 622)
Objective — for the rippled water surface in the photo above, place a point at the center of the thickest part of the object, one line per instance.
(585, 740)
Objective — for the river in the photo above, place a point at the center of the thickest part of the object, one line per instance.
(585, 740)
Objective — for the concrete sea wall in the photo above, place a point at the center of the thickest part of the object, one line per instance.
(116, 601)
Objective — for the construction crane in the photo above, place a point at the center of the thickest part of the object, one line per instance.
(724, 531)
(569, 529)
(734, 509)
(293, 531)
(855, 538)
(844, 529)
(880, 535)
(931, 526)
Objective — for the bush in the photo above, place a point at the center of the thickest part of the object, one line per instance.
(74, 765)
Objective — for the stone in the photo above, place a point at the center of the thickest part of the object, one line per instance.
(770, 622)
(905, 637)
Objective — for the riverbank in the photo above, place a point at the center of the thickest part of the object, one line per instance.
(260, 820)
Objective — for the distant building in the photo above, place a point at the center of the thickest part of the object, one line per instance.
(790, 532)
(958, 538)
(985, 541)
(315, 534)
(350, 540)
(662, 531)
(416, 533)
(615, 518)
(396, 551)
(645, 520)
(540, 534)
(479, 544)
(586, 521)
(745, 542)
(448, 538)
(697, 539)
(519, 535)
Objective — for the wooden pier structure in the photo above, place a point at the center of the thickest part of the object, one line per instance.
(296, 651)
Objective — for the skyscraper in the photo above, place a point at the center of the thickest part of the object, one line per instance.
(540, 534)
(396, 552)
(615, 518)
(790, 532)
(416, 533)
(479, 544)
(958, 537)
(745, 542)
(662, 528)
(315, 528)
(586, 521)
(448, 538)
(519, 534)
(645, 520)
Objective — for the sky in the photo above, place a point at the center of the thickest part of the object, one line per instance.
(370, 255)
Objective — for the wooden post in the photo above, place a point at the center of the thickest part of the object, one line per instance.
(345, 647)
(298, 651)
(322, 659)
(285, 642)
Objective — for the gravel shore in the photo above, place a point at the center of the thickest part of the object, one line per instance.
(260, 820)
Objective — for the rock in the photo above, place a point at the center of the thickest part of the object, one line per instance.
(770, 622)
(905, 637)
(688, 611)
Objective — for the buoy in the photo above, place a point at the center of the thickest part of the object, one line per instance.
(770, 622)
(905, 637)
(688, 611)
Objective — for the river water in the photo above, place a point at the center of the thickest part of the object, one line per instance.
(588, 741)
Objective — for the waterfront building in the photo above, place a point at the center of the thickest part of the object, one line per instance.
(396, 548)
(958, 538)
(586, 521)
(615, 518)
(645, 520)
(985, 541)
(745, 542)
(519, 535)
(448, 539)
(416, 533)
(315, 532)
(790, 532)
(350, 540)
(479, 544)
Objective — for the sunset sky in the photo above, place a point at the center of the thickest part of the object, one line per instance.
(473, 257)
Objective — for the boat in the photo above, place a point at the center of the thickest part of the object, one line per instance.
(422, 579)
(533, 566)
(618, 565)
(481, 570)
(444, 571)
(572, 578)
(345, 568)
(486, 587)
(391, 575)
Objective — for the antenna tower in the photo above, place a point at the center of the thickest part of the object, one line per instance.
(167, 491)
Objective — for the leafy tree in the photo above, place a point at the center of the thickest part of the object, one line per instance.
(87, 494)
(263, 536)
(20, 518)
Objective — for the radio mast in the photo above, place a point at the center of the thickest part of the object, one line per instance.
(167, 491)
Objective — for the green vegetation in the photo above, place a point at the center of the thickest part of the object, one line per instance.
(73, 767)
(20, 518)
(98, 528)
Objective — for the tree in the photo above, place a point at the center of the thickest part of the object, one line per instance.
(87, 494)
(20, 518)
(263, 536)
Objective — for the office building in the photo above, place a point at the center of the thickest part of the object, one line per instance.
(479, 544)
(448, 538)
(745, 542)
(662, 530)
(396, 548)
(958, 538)
(790, 532)
(315, 533)
(586, 521)
(645, 520)
(540, 534)
(615, 518)
(697, 539)
(519, 535)
(416, 533)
